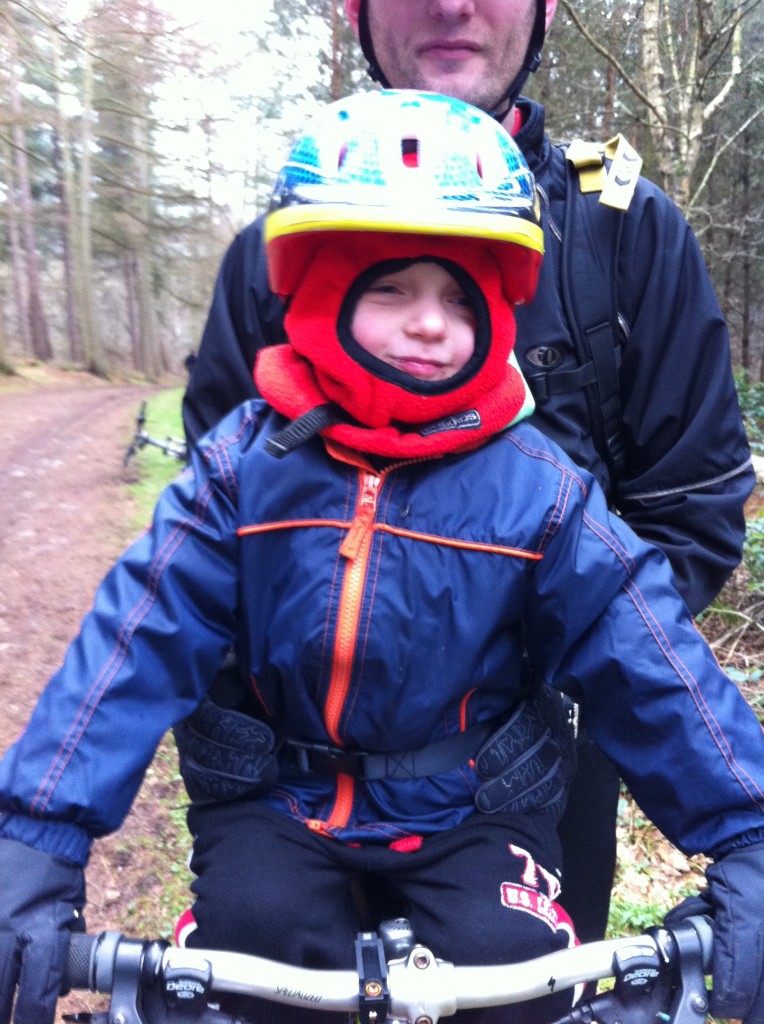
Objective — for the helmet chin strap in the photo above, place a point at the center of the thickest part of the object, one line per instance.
(509, 98)
(373, 70)
(507, 101)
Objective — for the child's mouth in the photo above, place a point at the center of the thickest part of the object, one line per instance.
(422, 368)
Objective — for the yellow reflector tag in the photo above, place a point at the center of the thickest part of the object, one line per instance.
(623, 174)
(587, 158)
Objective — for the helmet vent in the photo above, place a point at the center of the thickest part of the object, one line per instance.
(410, 152)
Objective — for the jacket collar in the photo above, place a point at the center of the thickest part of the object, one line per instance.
(531, 138)
(288, 382)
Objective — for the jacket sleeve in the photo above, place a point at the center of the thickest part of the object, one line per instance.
(159, 628)
(606, 625)
(688, 469)
(244, 317)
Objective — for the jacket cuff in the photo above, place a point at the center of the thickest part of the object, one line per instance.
(740, 842)
(59, 838)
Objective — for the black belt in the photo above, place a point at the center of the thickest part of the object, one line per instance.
(441, 756)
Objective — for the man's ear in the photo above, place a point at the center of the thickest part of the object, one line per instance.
(551, 7)
(353, 10)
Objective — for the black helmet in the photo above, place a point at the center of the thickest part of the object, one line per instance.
(531, 60)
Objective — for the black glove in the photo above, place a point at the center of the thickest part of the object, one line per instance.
(225, 754)
(734, 900)
(40, 902)
(529, 762)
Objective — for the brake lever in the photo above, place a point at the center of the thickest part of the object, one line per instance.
(660, 980)
(690, 1002)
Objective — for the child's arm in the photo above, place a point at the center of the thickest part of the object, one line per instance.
(606, 625)
(160, 625)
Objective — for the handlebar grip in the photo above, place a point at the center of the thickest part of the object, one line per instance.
(91, 960)
(78, 963)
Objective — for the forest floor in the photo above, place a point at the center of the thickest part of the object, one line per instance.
(65, 515)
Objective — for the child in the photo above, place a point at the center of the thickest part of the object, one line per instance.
(383, 540)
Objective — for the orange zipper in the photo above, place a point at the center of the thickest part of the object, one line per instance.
(355, 548)
(343, 805)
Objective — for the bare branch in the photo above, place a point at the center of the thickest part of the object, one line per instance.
(610, 58)
(737, 46)
(718, 154)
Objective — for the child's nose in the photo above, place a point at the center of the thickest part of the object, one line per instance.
(429, 320)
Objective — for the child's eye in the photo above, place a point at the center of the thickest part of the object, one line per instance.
(383, 288)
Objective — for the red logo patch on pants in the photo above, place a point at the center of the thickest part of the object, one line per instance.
(529, 898)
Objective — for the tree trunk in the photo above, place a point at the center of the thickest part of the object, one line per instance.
(144, 292)
(17, 266)
(94, 354)
(130, 276)
(336, 53)
(36, 322)
(65, 171)
(6, 364)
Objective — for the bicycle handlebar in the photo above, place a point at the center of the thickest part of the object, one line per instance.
(175, 447)
(414, 987)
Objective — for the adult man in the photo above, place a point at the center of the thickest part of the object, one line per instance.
(686, 468)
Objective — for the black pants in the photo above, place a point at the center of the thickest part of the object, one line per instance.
(588, 836)
(267, 886)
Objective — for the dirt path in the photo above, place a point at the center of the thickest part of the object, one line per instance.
(62, 523)
(64, 518)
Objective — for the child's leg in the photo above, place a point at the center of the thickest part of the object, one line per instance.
(485, 893)
(267, 886)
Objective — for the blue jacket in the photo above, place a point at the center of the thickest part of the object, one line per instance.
(688, 469)
(384, 610)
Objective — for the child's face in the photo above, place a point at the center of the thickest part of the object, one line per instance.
(417, 320)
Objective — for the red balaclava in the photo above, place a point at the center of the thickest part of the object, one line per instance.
(368, 405)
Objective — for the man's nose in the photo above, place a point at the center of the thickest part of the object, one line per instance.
(451, 9)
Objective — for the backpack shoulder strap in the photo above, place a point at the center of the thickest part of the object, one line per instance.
(597, 196)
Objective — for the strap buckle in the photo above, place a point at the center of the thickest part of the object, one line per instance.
(432, 759)
(323, 759)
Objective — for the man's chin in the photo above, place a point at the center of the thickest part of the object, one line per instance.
(460, 86)
(467, 86)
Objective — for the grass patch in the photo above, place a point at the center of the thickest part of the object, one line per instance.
(652, 875)
(628, 917)
(160, 857)
(154, 904)
(151, 469)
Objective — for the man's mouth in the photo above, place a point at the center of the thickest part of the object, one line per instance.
(448, 49)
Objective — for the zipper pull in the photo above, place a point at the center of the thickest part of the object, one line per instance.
(364, 516)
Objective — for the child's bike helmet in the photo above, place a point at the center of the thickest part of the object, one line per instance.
(405, 162)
